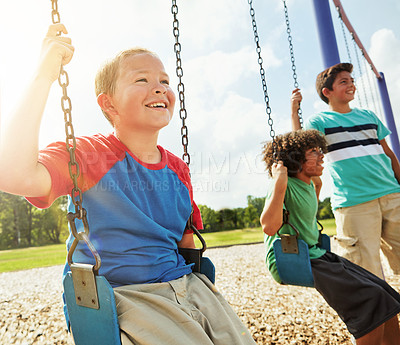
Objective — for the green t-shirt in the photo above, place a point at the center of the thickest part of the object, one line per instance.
(302, 203)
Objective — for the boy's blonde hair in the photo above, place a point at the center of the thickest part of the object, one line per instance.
(107, 75)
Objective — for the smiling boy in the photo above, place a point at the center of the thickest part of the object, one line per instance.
(138, 198)
(364, 172)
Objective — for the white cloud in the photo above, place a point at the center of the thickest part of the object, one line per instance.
(209, 23)
(215, 74)
(213, 84)
(227, 127)
(235, 121)
(385, 52)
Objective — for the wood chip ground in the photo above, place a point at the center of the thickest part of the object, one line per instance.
(31, 308)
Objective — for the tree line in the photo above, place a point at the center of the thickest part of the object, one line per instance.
(247, 217)
(23, 225)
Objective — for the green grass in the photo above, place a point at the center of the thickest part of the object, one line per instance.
(27, 258)
(329, 226)
(230, 237)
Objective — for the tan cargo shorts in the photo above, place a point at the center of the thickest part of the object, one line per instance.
(362, 230)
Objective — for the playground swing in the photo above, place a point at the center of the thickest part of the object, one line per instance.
(372, 91)
(90, 301)
(291, 253)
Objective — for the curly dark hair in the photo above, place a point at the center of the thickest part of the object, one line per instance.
(291, 147)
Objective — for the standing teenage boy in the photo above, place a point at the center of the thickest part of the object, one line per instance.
(138, 196)
(364, 171)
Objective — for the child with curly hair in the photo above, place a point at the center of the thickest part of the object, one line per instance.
(366, 304)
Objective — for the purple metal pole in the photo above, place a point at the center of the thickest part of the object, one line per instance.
(326, 33)
(387, 109)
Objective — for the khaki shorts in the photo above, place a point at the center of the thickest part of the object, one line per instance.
(185, 311)
(362, 230)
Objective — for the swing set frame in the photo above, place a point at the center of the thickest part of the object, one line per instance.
(89, 297)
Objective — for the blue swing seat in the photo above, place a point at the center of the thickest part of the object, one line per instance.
(295, 268)
(325, 241)
(93, 326)
(100, 326)
(208, 269)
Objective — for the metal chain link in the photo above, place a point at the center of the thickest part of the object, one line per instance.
(344, 34)
(380, 109)
(181, 86)
(359, 69)
(347, 46)
(262, 74)
(366, 65)
(292, 59)
(66, 105)
(73, 165)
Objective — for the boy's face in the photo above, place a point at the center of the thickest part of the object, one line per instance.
(343, 89)
(143, 99)
(313, 164)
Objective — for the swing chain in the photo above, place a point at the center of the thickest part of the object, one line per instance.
(73, 165)
(262, 74)
(292, 59)
(55, 15)
(359, 68)
(344, 33)
(347, 45)
(66, 105)
(181, 86)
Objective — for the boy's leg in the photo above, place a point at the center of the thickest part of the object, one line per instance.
(390, 206)
(386, 334)
(149, 314)
(391, 334)
(213, 312)
(185, 311)
(358, 235)
(372, 338)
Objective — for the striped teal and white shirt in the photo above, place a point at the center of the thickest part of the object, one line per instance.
(359, 169)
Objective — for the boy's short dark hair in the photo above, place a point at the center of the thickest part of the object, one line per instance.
(328, 76)
(291, 149)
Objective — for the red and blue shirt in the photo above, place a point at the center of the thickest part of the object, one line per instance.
(137, 212)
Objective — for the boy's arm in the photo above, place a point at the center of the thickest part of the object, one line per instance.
(393, 158)
(295, 101)
(20, 172)
(187, 241)
(317, 185)
(271, 216)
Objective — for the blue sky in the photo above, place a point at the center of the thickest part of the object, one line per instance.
(224, 99)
